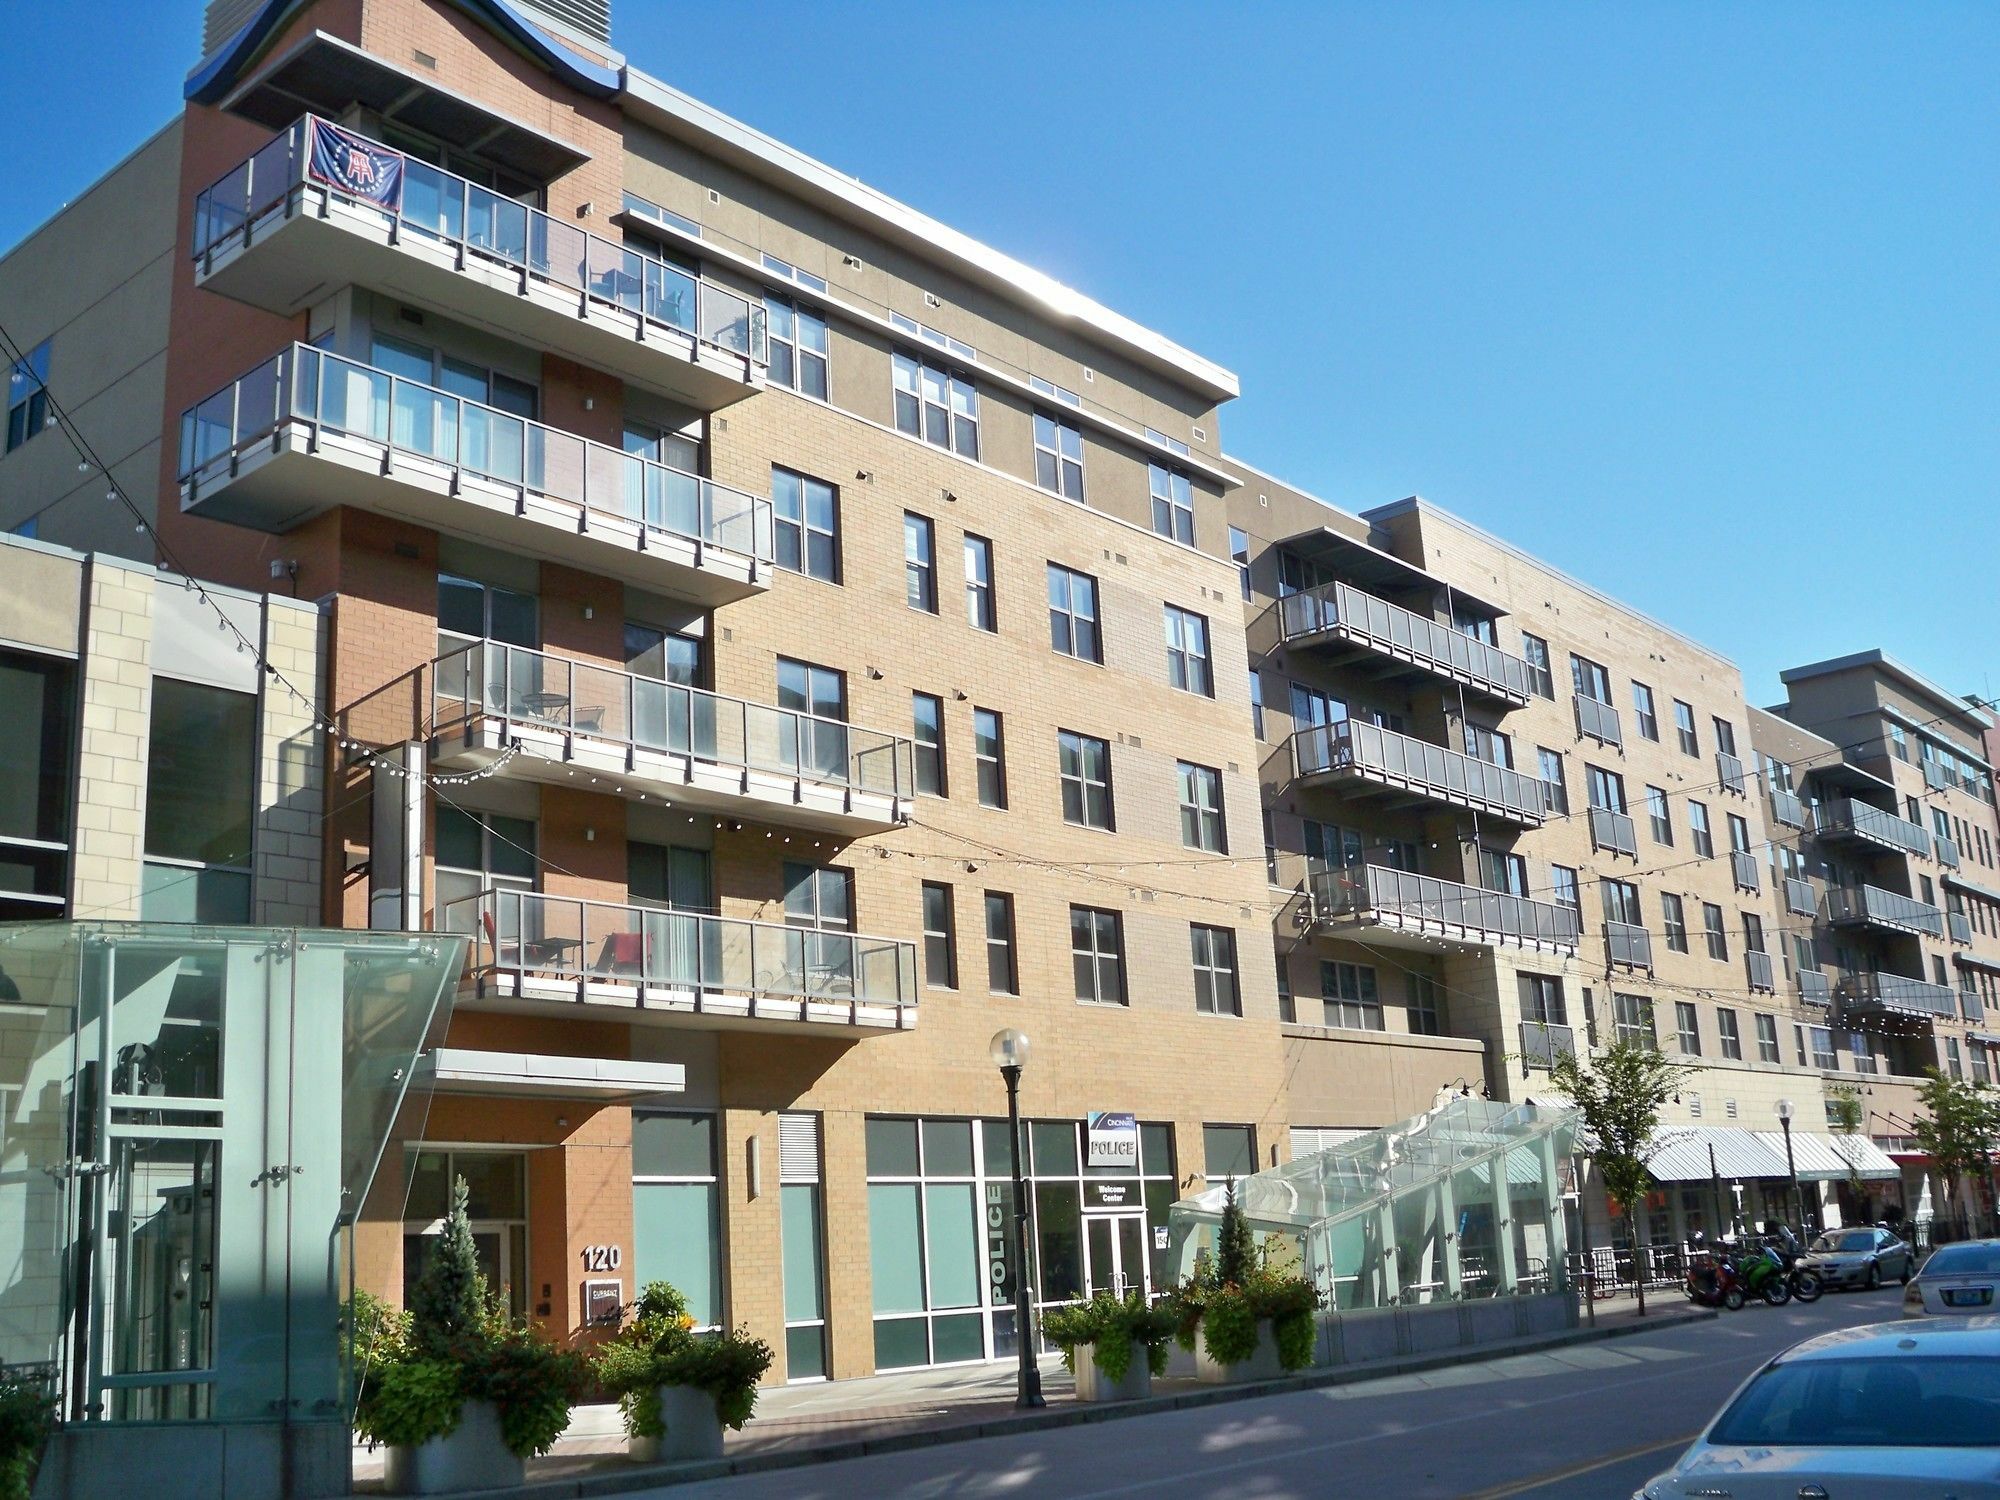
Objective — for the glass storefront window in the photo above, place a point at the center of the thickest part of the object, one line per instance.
(200, 774)
(677, 1210)
(496, 1204)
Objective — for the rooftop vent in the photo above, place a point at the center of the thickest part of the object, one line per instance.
(587, 18)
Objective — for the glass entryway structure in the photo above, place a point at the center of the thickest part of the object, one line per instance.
(192, 1117)
(1463, 1202)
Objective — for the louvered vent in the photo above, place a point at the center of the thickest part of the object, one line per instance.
(798, 1148)
(592, 18)
(224, 19)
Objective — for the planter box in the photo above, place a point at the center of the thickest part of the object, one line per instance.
(1092, 1384)
(471, 1457)
(693, 1428)
(1261, 1365)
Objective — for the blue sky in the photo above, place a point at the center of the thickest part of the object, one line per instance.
(1698, 302)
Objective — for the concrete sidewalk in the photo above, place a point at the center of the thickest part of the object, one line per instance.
(805, 1424)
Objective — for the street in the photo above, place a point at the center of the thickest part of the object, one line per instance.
(1590, 1422)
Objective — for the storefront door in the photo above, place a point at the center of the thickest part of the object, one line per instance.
(1114, 1254)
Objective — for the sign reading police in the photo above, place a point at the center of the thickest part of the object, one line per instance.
(1114, 1140)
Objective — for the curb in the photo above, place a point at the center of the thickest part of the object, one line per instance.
(655, 1476)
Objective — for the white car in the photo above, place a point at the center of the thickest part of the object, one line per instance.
(1887, 1411)
(1956, 1280)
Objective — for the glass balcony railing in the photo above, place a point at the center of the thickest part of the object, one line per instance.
(1843, 817)
(566, 940)
(1946, 851)
(1427, 902)
(1897, 992)
(1814, 987)
(420, 201)
(1971, 1005)
(1757, 966)
(1871, 906)
(1799, 897)
(1787, 809)
(1960, 926)
(1628, 945)
(1729, 773)
(1354, 615)
(336, 395)
(1383, 756)
(1613, 830)
(1542, 1042)
(540, 691)
(1598, 721)
(1743, 866)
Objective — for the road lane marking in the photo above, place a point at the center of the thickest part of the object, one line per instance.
(1577, 1471)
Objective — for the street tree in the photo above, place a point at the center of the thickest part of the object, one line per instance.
(1845, 1117)
(1960, 1132)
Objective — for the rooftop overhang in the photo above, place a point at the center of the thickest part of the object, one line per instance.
(459, 1070)
(1955, 707)
(1371, 568)
(1845, 776)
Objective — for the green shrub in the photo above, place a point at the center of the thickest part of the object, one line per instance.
(1235, 1257)
(409, 1401)
(27, 1415)
(1111, 1326)
(1225, 1313)
(659, 1347)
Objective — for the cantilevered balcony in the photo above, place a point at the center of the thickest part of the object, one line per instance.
(1945, 851)
(1628, 946)
(1421, 911)
(1757, 969)
(1344, 621)
(1894, 994)
(1799, 897)
(1613, 830)
(1971, 1005)
(1787, 808)
(1364, 758)
(1845, 820)
(535, 953)
(307, 431)
(319, 208)
(1959, 925)
(1598, 721)
(1729, 773)
(1743, 868)
(550, 719)
(1814, 988)
(1885, 911)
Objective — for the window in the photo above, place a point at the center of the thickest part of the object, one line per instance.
(979, 611)
(940, 938)
(1201, 807)
(919, 563)
(1188, 666)
(1058, 456)
(1674, 915)
(1732, 1039)
(1621, 901)
(1348, 993)
(1257, 704)
(1173, 503)
(1555, 785)
(1642, 706)
(1753, 932)
(1632, 1020)
(1899, 742)
(1606, 789)
(1001, 975)
(28, 396)
(1725, 737)
(1767, 1038)
(798, 347)
(1953, 1064)
(805, 518)
(927, 713)
(1489, 745)
(1698, 829)
(1239, 553)
(1073, 614)
(496, 1201)
(819, 896)
(1424, 1014)
(1590, 678)
(1215, 990)
(937, 404)
(469, 611)
(1228, 1151)
(478, 851)
(989, 757)
(1862, 1050)
(1097, 953)
(1711, 923)
(1824, 1057)
(1563, 887)
(821, 693)
(1684, 728)
(35, 785)
(802, 1246)
(1656, 810)
(1981, 1069)
(201, 770)
(1687, 1025)
(1084, 764)
(1739, 834)
(1542, 1000)
(1536, 650)
(1329, 847)
(925, 1264)
(1503, 872)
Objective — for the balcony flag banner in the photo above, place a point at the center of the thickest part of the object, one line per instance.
(356, 166)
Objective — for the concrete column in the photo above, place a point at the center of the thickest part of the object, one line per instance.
(114, 728)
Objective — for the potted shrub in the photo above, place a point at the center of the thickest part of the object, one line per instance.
(1113, 1345)
(1241, 1319)
(27, 1415)
(459, 1393)
(678, 1390)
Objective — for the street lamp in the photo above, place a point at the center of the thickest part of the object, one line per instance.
(1009, 1049)
(1791, 1167)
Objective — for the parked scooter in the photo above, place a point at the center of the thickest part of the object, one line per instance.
(1712, 1278)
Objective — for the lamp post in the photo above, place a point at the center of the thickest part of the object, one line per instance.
(1009, 1049)
(1791, 1167)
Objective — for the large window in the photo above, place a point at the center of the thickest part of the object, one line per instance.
(1657, 813)
(1687, 1027)
(1732, 1039)
(1349, 995)
(919, 563)
(1684, 730)
(1084, 764)
(479, 851)
(798, 347)
(1536, 652)
(1711, 924)
(1073, 623)
(201, 779)
(496, 1204)
(989, 757)
(1699, 830)
(937, 404)
(1188, 665)
(1097, 953)
(924, 1241)
(1767, 1038)
(1632, 1016)
(28, 396)
(39, 694)
(802, 1238)
(677, 1210)
(1173, 503)
(1555, 782)
(940, 937)
(1215, 988)
(1591, 679)
(1643, 709)
(927, 717)
(805, 517)
(979, 611)
(820, 693)
(1542, 1000)
(1201, 807)
(1674, 914)
(1002, 974)
(1058, 456)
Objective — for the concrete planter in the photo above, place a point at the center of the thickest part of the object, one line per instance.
(472, 1456)
(1261, 1365)
(1092, 1384)
(693, 1428)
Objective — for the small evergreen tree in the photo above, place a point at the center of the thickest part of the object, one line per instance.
(1234, 1257)
(449, 1300)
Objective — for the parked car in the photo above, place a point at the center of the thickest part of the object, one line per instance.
(1886, 1411)
(1956, 1280)
(1859, 1257)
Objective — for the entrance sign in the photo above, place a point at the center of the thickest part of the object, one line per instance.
(1114, 1140)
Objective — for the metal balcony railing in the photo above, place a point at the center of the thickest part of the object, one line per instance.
(1814, 987)
(1599, 721)
(1613, 831)
(1787, 808)
(1629, 945)
(1397, 760)
(1937, 777)
(1423, 901)
(540, 691)
(1729, 773)
(419, 200)
(1743, 865)
(1946, 851)
(1845, 817)
(1959, 925)
(564, 939)
(1871, 906)
(1971, 1005)
(333, 394)
(1360, 617)
(1758, 967)
(1799, 897)
(1542, 1042)
(1896, 992)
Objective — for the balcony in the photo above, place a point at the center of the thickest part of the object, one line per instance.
(1743, 866)
(1787, 808)
(1362, 757)
(1945, 850)
(1598, 721)
(1887, 911)
(1628, 946)
(1799, 897)
(1971, 1005)
(1894, 994)
(535, 952)
(1729, 773)
(549, 719)
(307, 431)
(297, 221)
(1340, 618)
(1959, 925)
(1843, 818)
(1614, 831)
(1420, 911)
(1757, 967)
(1542, 1042)
(1814, 988)
(1937, 777)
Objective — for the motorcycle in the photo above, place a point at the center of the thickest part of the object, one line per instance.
(1764, 1275)
(1805, 1282)
(1712, 1278)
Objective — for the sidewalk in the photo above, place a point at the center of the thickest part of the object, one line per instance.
(805, 1424)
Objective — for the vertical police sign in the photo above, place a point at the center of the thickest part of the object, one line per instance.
(1113, 1140)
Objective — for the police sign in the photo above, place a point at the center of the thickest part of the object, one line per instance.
(1114, 1140)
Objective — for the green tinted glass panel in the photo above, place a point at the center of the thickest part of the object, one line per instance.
(947, 1148)
(804, 1299)
(1156, 1150)
(999, 1144)
(201, 772)
(952, 1235)
(901, 1344)
(1054, 1144)
(676, 1237)
(895, 1248)
(957, 1339)
(673, 1145)
(805, 1353)
(892, 1148)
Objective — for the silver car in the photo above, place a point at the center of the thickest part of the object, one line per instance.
(1887, 1411)
(1859, 1257)
(1957, 1280)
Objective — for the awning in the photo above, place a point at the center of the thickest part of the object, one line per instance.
(1683, 1155)
(1369, 567)
(458, 1070)
(1832, 1158)
(1976, 960)
(1984, 1038)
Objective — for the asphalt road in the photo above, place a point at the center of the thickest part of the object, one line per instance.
(1591, 1422)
